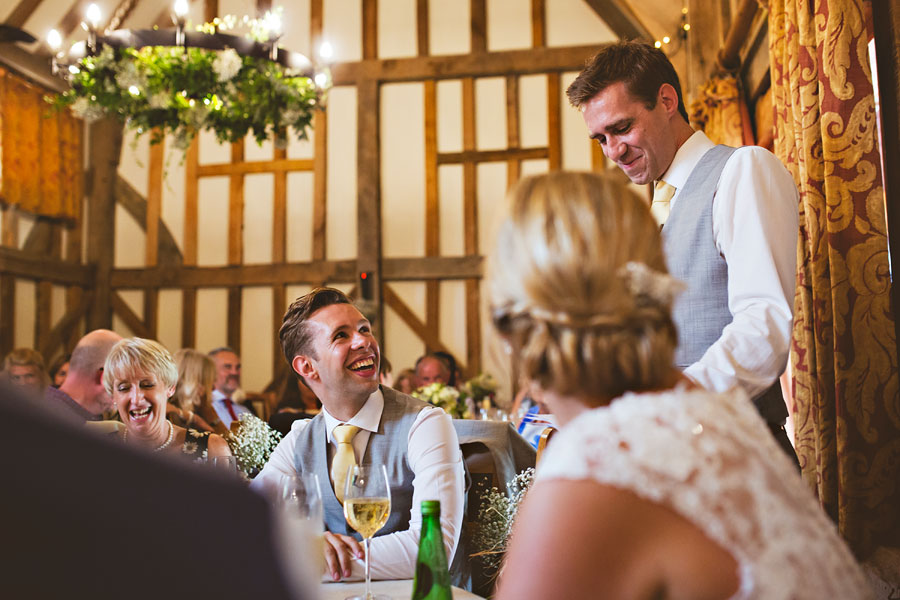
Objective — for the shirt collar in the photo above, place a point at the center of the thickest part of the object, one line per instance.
(686, 158)
(218, 396)
(368, 417)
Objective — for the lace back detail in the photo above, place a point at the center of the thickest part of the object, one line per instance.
(712, 459)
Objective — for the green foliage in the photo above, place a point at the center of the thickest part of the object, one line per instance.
(182, 91)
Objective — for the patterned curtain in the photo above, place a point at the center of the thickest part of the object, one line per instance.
(844, 353)
(721, 113)
(41, 152)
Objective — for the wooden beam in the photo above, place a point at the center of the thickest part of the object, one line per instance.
(278, 165)
(470, 228)
(191, 183)
(729, 56)
(189, 317)
(320, 186)
(235, 302)
(236, 207)
(72, 18)
(432, 206)
(538, 23)
(368, 212)
(279, 307)
(481, 156)
(312, 273)
(154, 202)
(210, 10)
(105, 146)
(34, 67)
(554, 128)
(513, 165)
(168, 252)
(9, 238)
(422, 28)
(370, 28)
(489, 64)
(621, 19)
(236, 275)
(478, 16)
(279, 212)
(432, 342)
(20, 264)
(132, 321)
(65, 330)
(20, 14)
(43, 295)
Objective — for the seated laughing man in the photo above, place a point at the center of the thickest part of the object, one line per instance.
(330, 344)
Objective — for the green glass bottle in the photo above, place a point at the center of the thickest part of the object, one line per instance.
(432, 576)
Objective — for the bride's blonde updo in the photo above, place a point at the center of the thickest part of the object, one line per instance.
(578, 286)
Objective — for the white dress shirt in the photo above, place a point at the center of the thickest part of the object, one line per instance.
(218, 403)
(434, 458)
(755, 218)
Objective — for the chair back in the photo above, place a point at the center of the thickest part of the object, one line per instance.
(493, 453)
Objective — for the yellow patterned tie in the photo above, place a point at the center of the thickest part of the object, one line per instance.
(344, 458)
(662, 196)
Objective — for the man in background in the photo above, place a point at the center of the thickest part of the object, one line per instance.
(82, 396)
(228, 383)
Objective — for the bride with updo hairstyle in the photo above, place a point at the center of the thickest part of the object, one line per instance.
(654, 488)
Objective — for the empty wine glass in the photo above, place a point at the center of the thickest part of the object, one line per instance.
(367, 506)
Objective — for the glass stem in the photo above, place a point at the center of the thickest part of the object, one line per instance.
(366, 544)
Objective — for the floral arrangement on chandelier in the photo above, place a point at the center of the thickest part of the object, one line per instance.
(180, 91)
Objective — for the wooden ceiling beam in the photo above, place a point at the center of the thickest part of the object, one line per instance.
(620, 18)
(21, 264)
(489, 64)
(21, 13)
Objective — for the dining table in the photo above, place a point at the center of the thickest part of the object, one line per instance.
(398, 589)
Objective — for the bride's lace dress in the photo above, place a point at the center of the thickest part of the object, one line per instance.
(712, 459)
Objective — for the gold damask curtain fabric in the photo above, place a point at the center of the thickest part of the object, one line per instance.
(41, 152)
(721, 113)
(844, 355)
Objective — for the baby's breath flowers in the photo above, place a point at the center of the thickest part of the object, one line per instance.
(252, 442)
(496, 516)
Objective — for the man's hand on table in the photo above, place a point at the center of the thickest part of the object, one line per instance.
(340, 550)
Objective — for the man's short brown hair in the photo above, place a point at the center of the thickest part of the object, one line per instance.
(294, 334)
(640, 66)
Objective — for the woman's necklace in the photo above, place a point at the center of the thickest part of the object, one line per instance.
(165, 444)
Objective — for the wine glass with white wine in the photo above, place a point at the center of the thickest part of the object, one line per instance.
(367, 505)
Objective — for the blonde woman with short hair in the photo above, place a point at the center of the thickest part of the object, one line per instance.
(653, 488)
(141, 376)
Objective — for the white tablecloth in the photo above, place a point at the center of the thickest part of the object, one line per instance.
(400, 589)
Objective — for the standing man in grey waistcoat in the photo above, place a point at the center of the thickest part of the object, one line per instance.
(729, 221)
(330, 345)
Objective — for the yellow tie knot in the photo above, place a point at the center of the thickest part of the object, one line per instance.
(662, 197)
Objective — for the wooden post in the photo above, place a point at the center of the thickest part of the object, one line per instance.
(368, 212)
(104, 150)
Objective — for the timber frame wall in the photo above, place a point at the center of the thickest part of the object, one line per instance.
(167, 267)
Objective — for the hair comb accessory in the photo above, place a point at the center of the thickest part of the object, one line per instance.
(644, 282)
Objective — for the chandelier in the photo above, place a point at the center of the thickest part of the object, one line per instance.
(180, 82)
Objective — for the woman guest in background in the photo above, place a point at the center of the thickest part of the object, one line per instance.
(405, 382)
(141, 376)
(653, 488)
(191, 406)
(59, 369)
(24, 367)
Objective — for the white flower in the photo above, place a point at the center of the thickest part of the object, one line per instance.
(127, 75)
(85, 109)
(159, 100)
(227, 64)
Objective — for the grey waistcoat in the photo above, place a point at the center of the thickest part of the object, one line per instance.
(385, 447)
(701, 312)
